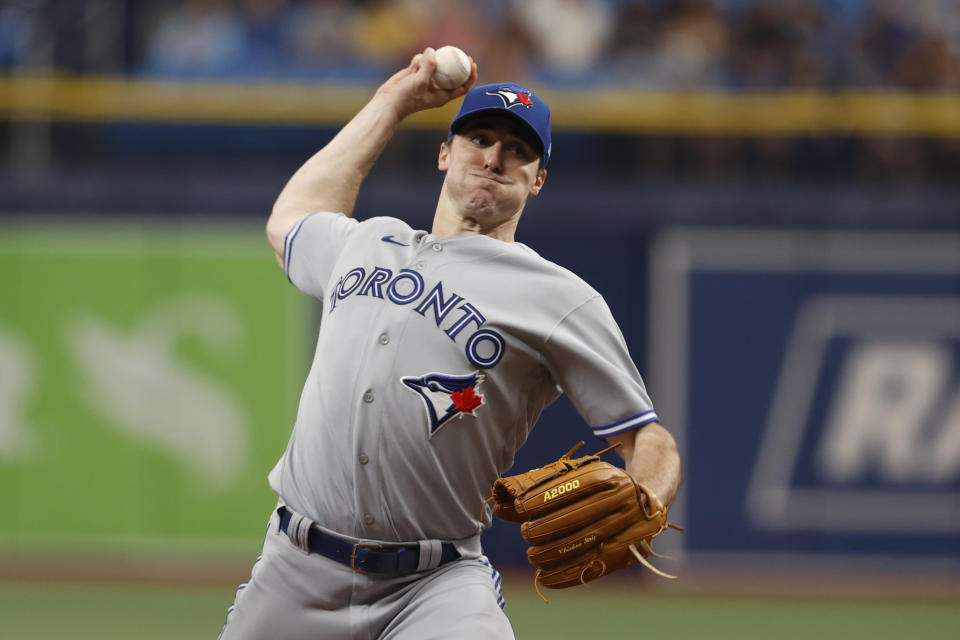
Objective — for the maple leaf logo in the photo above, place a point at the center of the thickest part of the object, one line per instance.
(524, 99)
(466, 400)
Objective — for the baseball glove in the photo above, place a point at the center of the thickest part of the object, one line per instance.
(583, 517)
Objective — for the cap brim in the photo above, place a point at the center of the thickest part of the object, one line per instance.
(532, 136)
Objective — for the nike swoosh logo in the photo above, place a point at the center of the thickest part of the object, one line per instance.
(392, 241)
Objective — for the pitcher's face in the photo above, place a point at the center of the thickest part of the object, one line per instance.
(492, 168)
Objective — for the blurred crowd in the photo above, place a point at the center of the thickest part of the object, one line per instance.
(734, 45)
(669, 44)
(656, 43)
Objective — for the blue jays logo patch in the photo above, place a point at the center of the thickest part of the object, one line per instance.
(512, 98)
(445, 396)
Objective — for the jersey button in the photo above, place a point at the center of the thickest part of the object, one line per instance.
(421, 266)
(384, 338)
(438, 247)
(368, 396)
(364, 459)
(369, 519)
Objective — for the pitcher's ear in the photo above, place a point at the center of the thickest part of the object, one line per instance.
(443, 160)
(538, 182)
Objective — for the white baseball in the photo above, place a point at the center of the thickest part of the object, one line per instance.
(453, 67)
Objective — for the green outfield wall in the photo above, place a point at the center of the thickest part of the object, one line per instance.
(149, 377)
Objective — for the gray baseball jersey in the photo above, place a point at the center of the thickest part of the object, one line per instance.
(434, 359)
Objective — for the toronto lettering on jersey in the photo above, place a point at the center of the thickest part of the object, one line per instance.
(483, 348)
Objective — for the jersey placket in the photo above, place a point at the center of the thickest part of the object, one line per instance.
(368, 475)
(372, 414)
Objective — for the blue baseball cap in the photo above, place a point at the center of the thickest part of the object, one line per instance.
(512, 99)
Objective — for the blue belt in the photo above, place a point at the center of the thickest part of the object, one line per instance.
(367, 557)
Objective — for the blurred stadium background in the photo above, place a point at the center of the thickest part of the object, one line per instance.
(766, 192)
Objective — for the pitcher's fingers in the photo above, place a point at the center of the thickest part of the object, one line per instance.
(426, 64)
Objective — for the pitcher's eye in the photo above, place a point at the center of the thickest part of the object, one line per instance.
(522, 151)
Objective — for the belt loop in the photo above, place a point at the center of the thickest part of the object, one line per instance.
(430, 554)
(299, 530)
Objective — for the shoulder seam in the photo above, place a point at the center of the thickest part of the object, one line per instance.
(567, 315)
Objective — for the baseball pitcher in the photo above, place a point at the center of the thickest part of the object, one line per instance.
(437, 352)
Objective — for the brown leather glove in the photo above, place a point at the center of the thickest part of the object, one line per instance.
(583, 517)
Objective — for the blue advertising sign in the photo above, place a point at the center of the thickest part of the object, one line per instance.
(813, 381)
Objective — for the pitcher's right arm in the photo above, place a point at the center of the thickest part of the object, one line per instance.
(330, 180)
